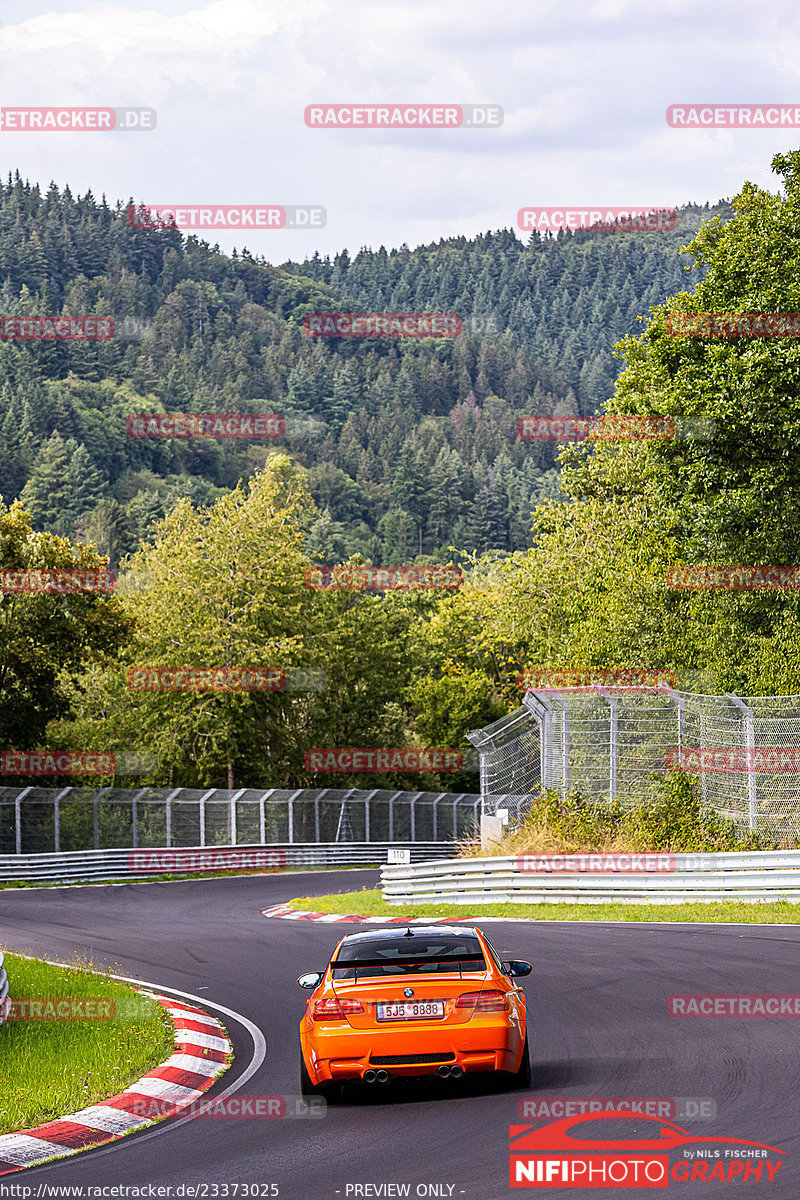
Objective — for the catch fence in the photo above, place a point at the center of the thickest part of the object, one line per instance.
(36, 820)
(618, 744)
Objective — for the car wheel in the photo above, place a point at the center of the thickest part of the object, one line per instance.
(521, 1078)
(329, 1091)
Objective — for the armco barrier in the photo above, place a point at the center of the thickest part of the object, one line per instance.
(79, 865)
(755, 877)
(5, 1000)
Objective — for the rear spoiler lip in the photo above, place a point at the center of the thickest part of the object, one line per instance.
(358, 963)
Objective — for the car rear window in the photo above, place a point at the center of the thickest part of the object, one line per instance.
(409, 956)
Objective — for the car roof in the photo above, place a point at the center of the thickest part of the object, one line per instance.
(400, 932)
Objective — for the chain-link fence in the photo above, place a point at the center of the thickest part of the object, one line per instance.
(37, 820)
(619, 743)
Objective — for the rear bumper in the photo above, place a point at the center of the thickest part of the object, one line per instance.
(342, 1054)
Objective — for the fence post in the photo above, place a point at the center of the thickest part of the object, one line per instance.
(57, 819)
(367, 799)
(96, 815)
(441, 796)
(392, 799)
(750, 743)
(262, 816)
(168, 816)
(18, 817)
(413, 814)
(135, 817)
(232, 814)
(564, 743)
(203, 799)
(291, 801)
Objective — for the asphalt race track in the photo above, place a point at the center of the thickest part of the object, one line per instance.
(597, 1018)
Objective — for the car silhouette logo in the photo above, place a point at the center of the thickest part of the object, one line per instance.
(558, 1136)
(408, 991)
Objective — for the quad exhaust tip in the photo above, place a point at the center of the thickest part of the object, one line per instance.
(370, 1076)
(454, 1072)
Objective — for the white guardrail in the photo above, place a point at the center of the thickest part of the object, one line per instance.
(5, 999)
(96, 865)
(749, 876)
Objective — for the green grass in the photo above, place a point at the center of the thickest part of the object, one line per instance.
(51, 1068)
(370, 903)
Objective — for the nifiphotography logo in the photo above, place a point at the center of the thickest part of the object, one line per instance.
(587, 1151)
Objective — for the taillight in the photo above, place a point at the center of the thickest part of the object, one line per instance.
(336, 1010)
(491, 1001)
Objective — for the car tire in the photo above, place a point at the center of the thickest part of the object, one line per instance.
(521, 1078)
(329, 1091)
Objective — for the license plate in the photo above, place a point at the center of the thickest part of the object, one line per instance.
(413, 1010)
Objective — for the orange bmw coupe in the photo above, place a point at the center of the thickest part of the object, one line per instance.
(432, 1000)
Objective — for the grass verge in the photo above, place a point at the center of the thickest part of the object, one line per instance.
(52, 1067)
(370, 903)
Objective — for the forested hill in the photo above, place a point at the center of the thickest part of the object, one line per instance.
(417, 449)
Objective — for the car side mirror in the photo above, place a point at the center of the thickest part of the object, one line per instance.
(310, 980)
(517, 967)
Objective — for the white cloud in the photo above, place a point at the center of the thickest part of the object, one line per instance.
(584, 84)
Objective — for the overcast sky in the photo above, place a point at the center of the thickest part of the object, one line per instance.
(584, 88)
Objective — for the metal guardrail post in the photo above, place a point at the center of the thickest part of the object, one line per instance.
(750, 743)
(317, 799)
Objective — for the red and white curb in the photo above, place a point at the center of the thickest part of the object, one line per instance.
(202, 1053)
(284, 913)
